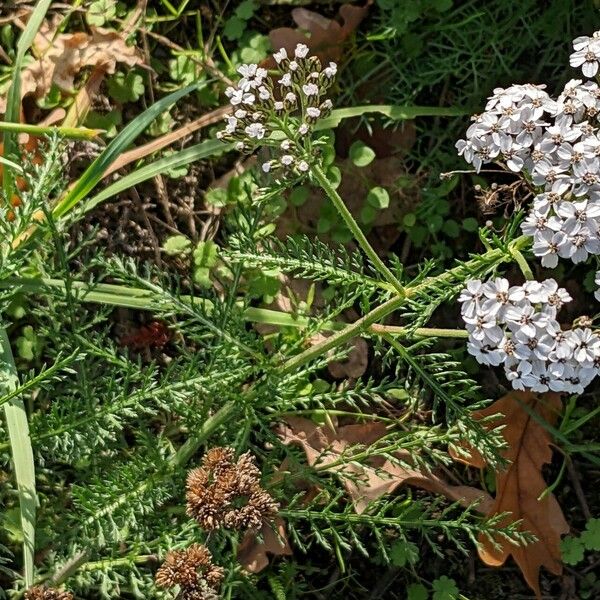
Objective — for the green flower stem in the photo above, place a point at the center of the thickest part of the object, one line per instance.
(109, 563)
(420, 331)
(359, 236)
(73, 133)
(523, 264)
(22, 453)
(341, 337)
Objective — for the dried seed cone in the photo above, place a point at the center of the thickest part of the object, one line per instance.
(224, 493)
(192, 569)
(40, 592)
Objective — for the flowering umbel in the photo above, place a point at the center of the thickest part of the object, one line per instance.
(226, 493)
(555, 143)
(517, 326)
(40, 592)
(193, 571)
(280, 111)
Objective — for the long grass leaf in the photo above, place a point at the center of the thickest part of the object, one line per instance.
(173, 161)
(93, 174)
(13, 104)
(22, 454)
(214, 147)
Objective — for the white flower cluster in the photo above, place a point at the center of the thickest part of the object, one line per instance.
(280, 111)
(516, 326)
(556, 144)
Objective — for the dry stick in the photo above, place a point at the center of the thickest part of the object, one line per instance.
(155, 243)
(206, 63)
(574, 476)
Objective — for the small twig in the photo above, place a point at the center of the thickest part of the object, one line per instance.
(574, 476)
(155, 243)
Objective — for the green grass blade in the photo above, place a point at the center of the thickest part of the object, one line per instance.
(394, 112)
(93, 174)
(13, 104)
(176, 160)
(214, 147)
(22, 454)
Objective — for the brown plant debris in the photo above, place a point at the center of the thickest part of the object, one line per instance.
(520, 488)
(226, 493)
(256, 546)
(328, 450)
(61, 57)
(326, 37)
(193, 571)
(41, 592)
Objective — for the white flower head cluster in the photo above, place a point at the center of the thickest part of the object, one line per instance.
(516, 326)
(280, 110)
(555, 143)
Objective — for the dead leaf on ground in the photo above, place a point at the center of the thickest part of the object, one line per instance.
(253, 553)
(60, 58)
(521, 484)
(365, 483)
(325, 36)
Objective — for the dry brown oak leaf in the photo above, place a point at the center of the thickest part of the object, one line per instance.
(60, 57)
(520, 486)
(325, 36)
(253, 553)
(325, 448)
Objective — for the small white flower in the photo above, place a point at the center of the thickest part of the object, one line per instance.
(484, 354)
(286, 160)
(330, 71)
(286, 80)
(247, 70)
(293, 66)
(231, 124)
(266, 167)
(313, 112)
(547, 245)
(484, 328)
(255, 131)
(470, 297)
(301, 51)
(303, 166)
(587, 345)
(264, 93)
(278, 105)
(290, 97)
(310, 89)
(239, 146)
(240, 113)
(280, 55)
(303, 129)
(587, 58)
(285, 145)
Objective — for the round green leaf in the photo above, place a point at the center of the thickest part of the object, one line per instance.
(360, 154)
(378, 197)
(299, 195)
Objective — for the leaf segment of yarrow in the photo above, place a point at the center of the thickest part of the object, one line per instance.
(483, 264)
